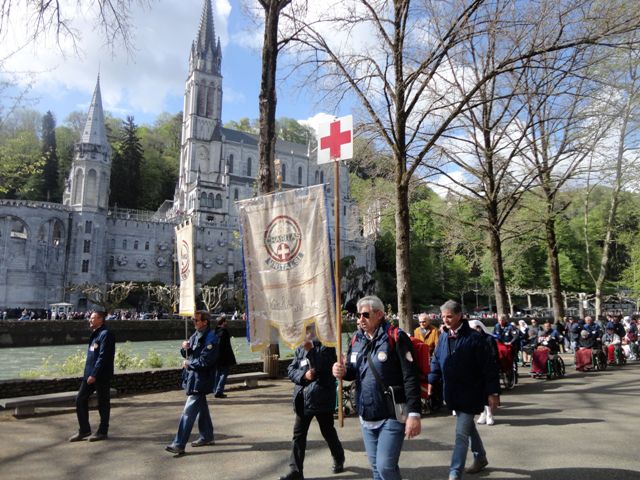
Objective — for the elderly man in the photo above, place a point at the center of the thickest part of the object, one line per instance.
(465, 364)
(381, 358)
(98, 371)
(200, 353)
(426, 332)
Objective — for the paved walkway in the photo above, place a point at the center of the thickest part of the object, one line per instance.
(584, 427)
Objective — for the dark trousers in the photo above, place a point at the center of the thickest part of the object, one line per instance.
(299, 444)
(102, 389)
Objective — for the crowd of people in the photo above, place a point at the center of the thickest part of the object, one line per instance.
(382, 361)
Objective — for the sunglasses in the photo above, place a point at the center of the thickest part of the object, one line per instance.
(365, 314)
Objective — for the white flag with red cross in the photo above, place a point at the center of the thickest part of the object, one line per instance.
(335, 140)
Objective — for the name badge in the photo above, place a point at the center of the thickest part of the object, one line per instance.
(304, 362)
(354, 357)
(93, 347)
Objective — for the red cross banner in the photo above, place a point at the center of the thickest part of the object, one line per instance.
(335, 140)
(287, 266)
(186, 265)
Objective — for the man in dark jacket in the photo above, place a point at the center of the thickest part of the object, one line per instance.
(200, 353)
(314, 395)
(226, 358)
(390, 352)
(98, 371)
(469, 372)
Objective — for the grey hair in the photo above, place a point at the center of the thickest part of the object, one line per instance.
(451, 306)
(371, 301)
(584, 334)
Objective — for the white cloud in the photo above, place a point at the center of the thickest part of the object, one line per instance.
(317, 119)
(156, 70)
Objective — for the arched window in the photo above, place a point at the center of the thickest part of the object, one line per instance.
(210, 97)
(77, 186)
(203, 200)
(136, 244)
(57, 235)
(146, 245)
(235, 194)
(284, 172)
(231, 163)
(317, 178)
(91, 194)
(218, 201)
(249, 167)
(124, 244)
(211, 201)
(321, 177)
(201, 106)
(299, 175)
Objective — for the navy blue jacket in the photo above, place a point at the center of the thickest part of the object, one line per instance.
(467, 368)
(319, 395)
(226, 357)
(506, 334)
(201, 355)
(396, 366)
(594, 330)
(100, 354)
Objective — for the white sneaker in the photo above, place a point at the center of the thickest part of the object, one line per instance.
(490, 420)
(482, 419)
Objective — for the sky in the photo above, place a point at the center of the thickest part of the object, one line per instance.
(151, 79)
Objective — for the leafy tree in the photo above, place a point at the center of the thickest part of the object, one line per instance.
(243, 125)
(50, 185)
(127, 159)
(20, 165)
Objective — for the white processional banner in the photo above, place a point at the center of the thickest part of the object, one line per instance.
(186, 266)
(287, 266)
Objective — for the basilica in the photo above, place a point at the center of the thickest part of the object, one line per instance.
(48, 247)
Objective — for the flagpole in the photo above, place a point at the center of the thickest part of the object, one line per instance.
(336, 273)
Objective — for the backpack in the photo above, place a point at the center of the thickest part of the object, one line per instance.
(420, 350)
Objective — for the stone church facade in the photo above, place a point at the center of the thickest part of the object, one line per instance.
(46, 247)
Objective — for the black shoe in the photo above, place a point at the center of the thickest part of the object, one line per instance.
(96, 437)
(478, 465)
(338, 467)
(79, 436)
(220, 395)
(175, 450)
(292, 475)
(202, 443)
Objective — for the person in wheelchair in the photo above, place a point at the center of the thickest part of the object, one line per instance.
(584, 350)
(611, 343)
(548, 346)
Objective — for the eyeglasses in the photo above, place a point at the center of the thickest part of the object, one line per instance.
(365, 314)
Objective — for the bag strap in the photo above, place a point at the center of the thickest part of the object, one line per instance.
(376, 375)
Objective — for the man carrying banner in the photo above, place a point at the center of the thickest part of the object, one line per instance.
(314, 395)
(200, 353)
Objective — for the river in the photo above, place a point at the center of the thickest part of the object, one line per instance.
(16, 360)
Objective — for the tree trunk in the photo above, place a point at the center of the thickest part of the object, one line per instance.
(499, 283)
(554, 268)
(403, 271)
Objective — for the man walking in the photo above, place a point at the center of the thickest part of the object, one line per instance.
(200, 353)
(469, 373)
(226, 358)
(98, 371)
(314, 395)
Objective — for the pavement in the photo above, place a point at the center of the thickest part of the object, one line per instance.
(583, 427)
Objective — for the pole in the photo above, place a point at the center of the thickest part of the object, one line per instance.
(336, 274)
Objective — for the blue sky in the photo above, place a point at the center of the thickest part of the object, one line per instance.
(151, 80)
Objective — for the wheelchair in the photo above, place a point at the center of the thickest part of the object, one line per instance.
(598, 359)
(555, 367)
(348, 399)
(620, 357)
(508, 366)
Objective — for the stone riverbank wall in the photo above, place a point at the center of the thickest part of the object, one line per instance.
(34, 333)
(162, 379)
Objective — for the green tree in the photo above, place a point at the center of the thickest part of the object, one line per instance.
(20, 165)
(127, 159)
(50, 185)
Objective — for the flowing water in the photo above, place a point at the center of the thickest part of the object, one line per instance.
(16, 360)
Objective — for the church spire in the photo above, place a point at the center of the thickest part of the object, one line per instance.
(94, 131)
(205, 51)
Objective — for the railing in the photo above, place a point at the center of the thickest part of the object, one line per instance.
(34, 204)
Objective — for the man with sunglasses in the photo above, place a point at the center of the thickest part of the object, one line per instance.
(390, 353)
(200, 353)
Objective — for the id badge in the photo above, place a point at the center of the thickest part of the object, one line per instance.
(304, 362)
(354, 357)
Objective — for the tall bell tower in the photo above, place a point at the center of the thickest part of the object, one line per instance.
(202, 178)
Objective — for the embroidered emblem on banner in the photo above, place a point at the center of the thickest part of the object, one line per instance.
(282, 240)
(184, 260)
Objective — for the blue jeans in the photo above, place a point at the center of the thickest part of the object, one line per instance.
(466, 432)
(221, 379)
(383, 447)
(196, 406)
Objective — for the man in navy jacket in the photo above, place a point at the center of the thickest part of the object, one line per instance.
(200, 353)
(470, 379)
(314, 395)
(98, 371)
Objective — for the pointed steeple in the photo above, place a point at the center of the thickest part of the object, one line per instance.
(94, 131)
(206, 34)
